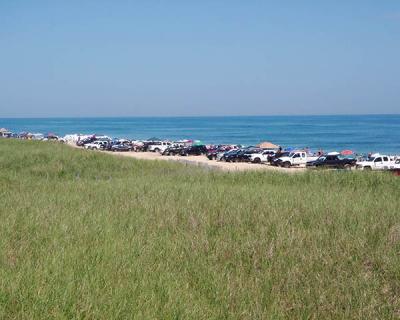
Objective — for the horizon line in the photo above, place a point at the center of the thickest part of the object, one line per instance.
(202, 116)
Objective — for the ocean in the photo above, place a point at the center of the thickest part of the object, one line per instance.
(360, 133)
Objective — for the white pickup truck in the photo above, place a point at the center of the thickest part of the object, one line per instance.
(296, 158)
(262, 156)
(96, 145)
(376, 162)
(159, 146)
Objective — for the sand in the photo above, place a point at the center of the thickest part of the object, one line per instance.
(203, 161)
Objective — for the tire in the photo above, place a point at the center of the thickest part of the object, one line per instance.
(367, 168)
(347, 166)
(257, 160)
(156, 150)
(286, 164)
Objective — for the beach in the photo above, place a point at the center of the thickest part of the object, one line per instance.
(202, 161)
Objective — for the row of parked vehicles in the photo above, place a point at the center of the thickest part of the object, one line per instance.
(183, 148)
(273, 156)
(252, 154)
(297, 158)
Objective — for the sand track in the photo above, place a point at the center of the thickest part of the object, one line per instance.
(203, 161)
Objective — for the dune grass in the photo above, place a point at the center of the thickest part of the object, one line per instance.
(91, 236)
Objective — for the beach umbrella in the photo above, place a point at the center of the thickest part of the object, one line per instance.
(267, 145)
(346, 152)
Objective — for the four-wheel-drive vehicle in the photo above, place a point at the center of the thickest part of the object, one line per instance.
(296, 158)
(81, 143)
(173, 150)
(96, 145)
(239, 155)
(121, 147)
(212, 154)
(195, 150)
(245, 155)
(159, 146)
(275, 159)
(232, 156)
(335, 161)
(221, 156)
(376, 162)
(263, 156)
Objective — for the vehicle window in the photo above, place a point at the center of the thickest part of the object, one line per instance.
(385, 159)
(297, 155)
(378, 160)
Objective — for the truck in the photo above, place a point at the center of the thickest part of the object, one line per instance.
(376, 162)
(96, 145)
(262, 157)
(295, 159)
(159, 146)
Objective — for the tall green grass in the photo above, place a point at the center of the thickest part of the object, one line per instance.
(92, 236)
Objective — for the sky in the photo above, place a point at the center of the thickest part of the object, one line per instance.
(198, 58)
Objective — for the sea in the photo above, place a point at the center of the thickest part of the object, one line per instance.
(360, 133)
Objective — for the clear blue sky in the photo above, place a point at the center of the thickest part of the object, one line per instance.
(168, 58)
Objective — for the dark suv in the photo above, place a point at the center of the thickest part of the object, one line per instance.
(173, 151)
(193, 151)
(332, 161)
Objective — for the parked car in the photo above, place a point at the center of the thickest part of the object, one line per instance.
(195, 150)
(376, 162)
(335, 161)
(173, 150)
(96, 145)
(221, 156)
(212, 154)
(263, 156)
(159, 146)
(232, 156)
(121, 147)
(84, 141)
(245, 155)
(296, 158)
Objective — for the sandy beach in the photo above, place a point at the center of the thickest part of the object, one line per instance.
(203, 161)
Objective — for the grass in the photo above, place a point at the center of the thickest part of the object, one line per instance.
(85, 235)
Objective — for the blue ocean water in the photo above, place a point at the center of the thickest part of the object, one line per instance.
(361, 133)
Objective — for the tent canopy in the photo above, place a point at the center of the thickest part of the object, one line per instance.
(267, 145)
